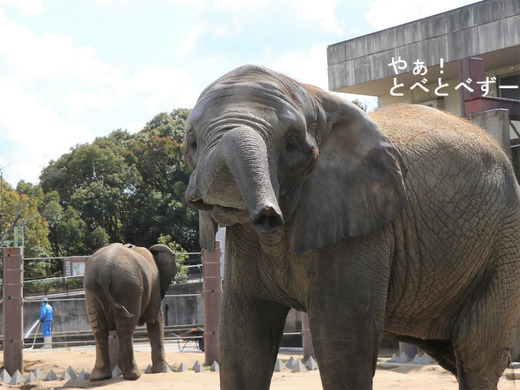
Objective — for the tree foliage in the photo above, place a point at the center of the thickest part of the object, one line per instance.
(19, 208)
(121, 188)
(124, 187)
(19, 213)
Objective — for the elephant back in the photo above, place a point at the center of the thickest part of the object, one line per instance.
(123, 273)
(415, 128)
(438, 148)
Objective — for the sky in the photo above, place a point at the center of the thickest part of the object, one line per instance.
(71, 71)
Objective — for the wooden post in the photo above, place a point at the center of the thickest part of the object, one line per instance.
(212, 295)
(308, 349)
(13, 309)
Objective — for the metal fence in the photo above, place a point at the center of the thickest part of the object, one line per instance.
(83, 337)
(67, 284)
(71, 285)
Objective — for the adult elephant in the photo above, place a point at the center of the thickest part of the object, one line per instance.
(405, 225)
(124, 286)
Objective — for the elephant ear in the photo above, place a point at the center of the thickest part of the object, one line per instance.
(357, 184)
(165, 260)
(207, 230)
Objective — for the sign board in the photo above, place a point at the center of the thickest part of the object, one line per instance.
(74, 266)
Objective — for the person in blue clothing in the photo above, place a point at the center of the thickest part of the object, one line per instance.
(46, 315)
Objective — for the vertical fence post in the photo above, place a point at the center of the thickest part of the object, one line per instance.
(13, 309)
(212, 295)
(308, 349)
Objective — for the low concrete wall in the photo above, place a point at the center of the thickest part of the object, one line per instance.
(70, 312)
(184, 310)
(179, 309)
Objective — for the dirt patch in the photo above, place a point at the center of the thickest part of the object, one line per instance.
(430, 377)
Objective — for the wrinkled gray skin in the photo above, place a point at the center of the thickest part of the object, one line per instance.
(124, 286)
(406, 229)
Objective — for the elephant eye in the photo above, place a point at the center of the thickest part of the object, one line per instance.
(190, 151)
(192, 142)
(291, 144)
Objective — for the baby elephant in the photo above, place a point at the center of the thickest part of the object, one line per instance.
(124, 286)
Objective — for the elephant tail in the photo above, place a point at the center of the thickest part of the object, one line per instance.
(111, 299)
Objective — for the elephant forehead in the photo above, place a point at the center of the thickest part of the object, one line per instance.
(259, 105)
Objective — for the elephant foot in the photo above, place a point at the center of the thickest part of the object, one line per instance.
(158, 367)
(99, 374)
(132, 375)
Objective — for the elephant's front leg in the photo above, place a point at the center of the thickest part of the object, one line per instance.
(346, 319)
(346, 346)
(250, 332)
(156, 336)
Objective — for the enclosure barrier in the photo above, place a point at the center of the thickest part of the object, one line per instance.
(212, 295)
(86, 338)
(13, 345)
(13, 309)
(12, 301)
(71, 283)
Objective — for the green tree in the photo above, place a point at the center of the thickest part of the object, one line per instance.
(182, 270)
(52, 211)
(158, 152)
(19, 209)
(121, 188)
(71, 234)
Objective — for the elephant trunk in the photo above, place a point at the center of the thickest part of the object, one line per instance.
(241, 157)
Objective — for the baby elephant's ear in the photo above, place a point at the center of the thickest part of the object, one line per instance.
(165, 259)
(357, 185)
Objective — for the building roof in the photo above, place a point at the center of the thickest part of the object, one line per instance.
(488, 29)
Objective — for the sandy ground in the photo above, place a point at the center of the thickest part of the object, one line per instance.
(408, 376)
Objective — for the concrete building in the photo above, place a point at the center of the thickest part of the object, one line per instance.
(420, 61)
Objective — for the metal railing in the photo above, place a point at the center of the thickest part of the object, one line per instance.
(63, 283)
(172, 334)
(66, 284)
(86, 337)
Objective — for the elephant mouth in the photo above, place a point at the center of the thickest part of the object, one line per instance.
(224, 216)
(199, 204)
(266, 219)
(227, 216)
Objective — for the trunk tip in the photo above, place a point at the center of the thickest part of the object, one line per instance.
(267, 220)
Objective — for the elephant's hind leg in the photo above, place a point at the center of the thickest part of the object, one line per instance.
(99, 326)
(484, 332)
(156, 335)
(126, 353)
